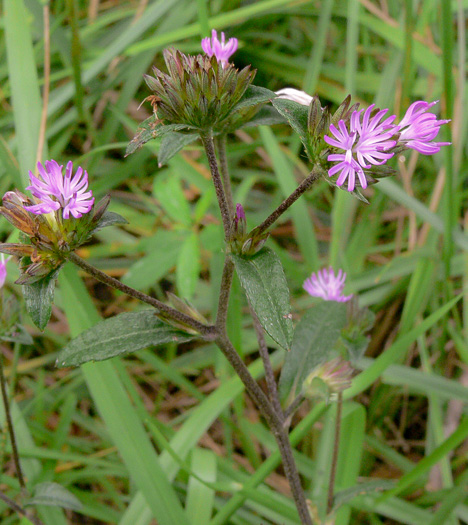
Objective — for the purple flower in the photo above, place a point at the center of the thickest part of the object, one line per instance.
(55, 191)
(347, 164)
(364, 144)
(418, 128)
(3, 270)
(373, 136)
(220, 49)
(327, 285)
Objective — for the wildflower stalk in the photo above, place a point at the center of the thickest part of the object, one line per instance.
(207, 331)
(224, 292)
(336, 445)
(223, 167)
(289, 201)
(19, 510)
(295, 404)
(208, 143)
(275, 422)
(269, 374)
(11, 431)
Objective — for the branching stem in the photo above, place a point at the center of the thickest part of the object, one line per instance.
(289, 201)
(206, 330)
(22, 512)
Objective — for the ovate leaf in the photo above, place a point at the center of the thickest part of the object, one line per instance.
(172, 143)
(119, 335)
(254, 95)
(109, 218)
(38, 297)
(54, 495)
(263, 280)
(150, 129)
(314, 338)
(296, 114)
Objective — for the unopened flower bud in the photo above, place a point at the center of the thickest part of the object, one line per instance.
(239, 224)
(328, 379)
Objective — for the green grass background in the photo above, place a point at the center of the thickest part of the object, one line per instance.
(169, 436)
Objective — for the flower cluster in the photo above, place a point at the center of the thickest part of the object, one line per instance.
(327, 285)
(55, 223)
(198, 92)
(370, 139)
(361, 142)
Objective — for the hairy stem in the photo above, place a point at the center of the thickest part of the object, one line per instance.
(302, 188)
(296, 403)
(275, 422)
(223, 166)
(206, 330)
(225, 289)
(218, 184)
(14, 448)
(336, 445)
(19, 510)
(269, 375)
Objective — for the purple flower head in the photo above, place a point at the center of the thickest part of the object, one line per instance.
(374, 136)
(365, 143)
(220, 49)
(347, 164)
(55, 191)
(3, 270)
(418, 128)
(327, 285)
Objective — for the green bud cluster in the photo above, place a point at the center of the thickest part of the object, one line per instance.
(197, 91)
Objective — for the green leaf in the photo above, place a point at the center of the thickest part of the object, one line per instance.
(109, 218)
(150, 129)
(267, 116)
(368, 487)
(38, 297)
(119, 335)
(172, 143)
(263, 280)
(314, 338)
(254, 95)
(54, 495)
(296, 114)
(188, 266)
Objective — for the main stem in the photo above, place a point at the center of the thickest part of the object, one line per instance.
(206, 330)
(11, 430)
(302, 188)
(269, 375)
(275, 422)
(208, 143)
